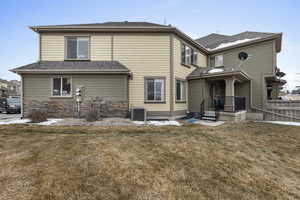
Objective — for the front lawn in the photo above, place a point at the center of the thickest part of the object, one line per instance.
(241, 161)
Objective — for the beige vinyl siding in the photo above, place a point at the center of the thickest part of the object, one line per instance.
(100, 47)
(145, 55)
(38, 87)
(53, 46)
(107, 86)
(182, 72)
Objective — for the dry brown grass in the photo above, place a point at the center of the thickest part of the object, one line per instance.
(242, 161)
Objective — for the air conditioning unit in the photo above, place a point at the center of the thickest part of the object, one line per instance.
(138, 114)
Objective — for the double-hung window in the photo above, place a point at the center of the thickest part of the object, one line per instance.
(180, 90)
(188, 55)
(185, 54)
(216, 61)
(61, 87)
(77, 48)
(155, 89)
(194, 58)
(219, 61)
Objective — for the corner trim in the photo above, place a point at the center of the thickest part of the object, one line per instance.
(171, 73)
(22, 96)
(40, 47)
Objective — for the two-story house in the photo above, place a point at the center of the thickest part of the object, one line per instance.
(120, 65)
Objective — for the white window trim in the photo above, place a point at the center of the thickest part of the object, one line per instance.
(61, 86)
(183, 90)
(163, 93)
(77, 36)
(188, 57)
(221, 55)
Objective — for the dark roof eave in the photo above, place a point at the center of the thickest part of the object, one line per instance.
(277, 37)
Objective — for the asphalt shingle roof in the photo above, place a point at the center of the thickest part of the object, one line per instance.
(105, 66)
(212, 41)
(109, 24)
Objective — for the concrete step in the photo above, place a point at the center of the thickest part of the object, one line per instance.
(210, 112)
(210, 115)
(209, 118)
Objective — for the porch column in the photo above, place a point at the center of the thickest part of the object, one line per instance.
(229, 95)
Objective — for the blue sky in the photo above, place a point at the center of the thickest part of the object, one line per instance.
(19, 45)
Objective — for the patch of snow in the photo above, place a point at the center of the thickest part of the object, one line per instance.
(49, 122)
(158, 123)
(25, 121)
(15, 121)
(210, 123)
(283, 123)
(228, 44)
(215, 71)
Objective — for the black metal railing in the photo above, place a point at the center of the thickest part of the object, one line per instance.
(237, 103)
(218, 103)
(202, 105)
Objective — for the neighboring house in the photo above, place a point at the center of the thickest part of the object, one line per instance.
(10, 88)
(121, 65)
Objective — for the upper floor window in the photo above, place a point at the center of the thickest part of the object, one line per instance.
(77, 48)
(194, 58)
(219, 61)
(188, 55)
(216, 61)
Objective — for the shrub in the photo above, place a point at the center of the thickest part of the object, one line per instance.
(37, 116)
(92, 115)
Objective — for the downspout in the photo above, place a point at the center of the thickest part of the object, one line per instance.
(22, 96)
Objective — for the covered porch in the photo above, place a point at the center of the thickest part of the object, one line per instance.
(225, 92)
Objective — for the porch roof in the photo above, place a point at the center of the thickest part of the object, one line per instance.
(103, 67)
(218, 73)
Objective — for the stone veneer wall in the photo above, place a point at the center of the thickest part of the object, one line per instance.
(64, 107)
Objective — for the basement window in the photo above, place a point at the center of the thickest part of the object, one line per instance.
(61, 87)
(77, 48)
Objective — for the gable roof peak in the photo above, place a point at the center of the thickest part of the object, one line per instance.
(214, 42)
